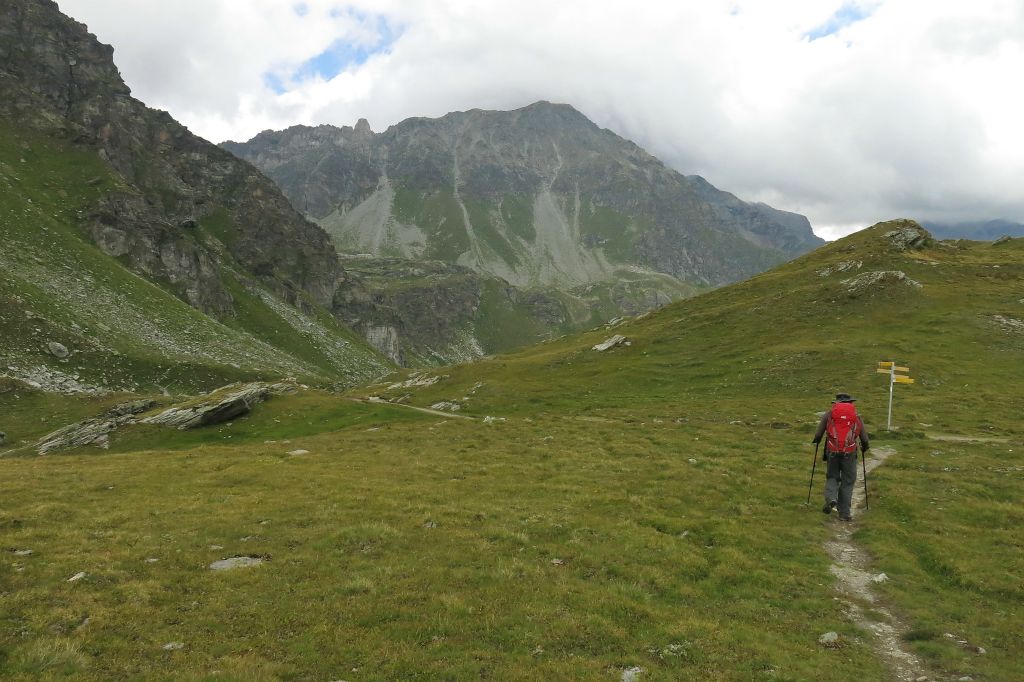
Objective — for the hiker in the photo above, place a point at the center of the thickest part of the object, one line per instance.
(843, 428)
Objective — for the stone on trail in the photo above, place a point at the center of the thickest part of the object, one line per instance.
(76, 577)
(298, 452)
(22, 552)
(173, 646)
(236, 562)
(880, 578)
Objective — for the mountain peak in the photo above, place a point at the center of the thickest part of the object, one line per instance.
(363, 127)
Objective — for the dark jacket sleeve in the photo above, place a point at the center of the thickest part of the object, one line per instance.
(864, 444)
(821, 428)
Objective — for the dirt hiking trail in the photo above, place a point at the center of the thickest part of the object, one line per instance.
(851, 565)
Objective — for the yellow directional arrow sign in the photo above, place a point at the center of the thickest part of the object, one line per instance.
(903, 380)
(902, 369)
(886, 364)
(883, 371)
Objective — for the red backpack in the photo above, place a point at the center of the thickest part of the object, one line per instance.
(843, 429)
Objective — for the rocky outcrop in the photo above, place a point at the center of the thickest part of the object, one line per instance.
(57, 78)
(908, 236)
(878, 280)
(95, 431)
(220, 406)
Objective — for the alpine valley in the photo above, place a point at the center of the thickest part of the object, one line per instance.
(213, 465)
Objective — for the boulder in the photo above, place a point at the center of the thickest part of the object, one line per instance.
(829, 640)
(57, 350)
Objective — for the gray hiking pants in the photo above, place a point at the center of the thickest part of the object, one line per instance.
(842, 474)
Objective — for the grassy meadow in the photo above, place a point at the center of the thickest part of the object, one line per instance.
(641, 507)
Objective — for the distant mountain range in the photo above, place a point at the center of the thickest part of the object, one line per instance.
(978, 229)
(539, 196)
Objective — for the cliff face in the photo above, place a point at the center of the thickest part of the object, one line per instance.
(540, 197)
(430, 312)
(55, 77)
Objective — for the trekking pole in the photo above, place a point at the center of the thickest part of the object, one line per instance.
(864, 464)
(814, 463)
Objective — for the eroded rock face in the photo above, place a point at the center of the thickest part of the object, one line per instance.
(57, 78)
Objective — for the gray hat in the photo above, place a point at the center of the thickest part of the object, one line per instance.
(844, 398)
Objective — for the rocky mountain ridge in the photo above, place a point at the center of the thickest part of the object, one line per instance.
(539, 196)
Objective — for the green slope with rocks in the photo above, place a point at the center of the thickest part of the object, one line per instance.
(75, 319)
(632, 513)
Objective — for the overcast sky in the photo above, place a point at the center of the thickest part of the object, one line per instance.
(848, 112)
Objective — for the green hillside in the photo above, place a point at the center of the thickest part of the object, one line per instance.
(633, 513)
(124, 332)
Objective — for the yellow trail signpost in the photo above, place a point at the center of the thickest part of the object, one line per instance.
(891, 368)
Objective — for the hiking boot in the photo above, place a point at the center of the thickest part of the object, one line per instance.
(846, 518)
(829, 506)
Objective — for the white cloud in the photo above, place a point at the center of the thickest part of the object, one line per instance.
(900, 108)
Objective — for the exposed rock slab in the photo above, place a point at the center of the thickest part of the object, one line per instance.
(612, 342)
(93, 431)
(220, 407)
(236, 562)
(878, 279)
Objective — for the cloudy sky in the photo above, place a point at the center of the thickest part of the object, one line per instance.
(848, 111)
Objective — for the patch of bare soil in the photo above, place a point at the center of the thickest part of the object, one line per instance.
(852, 568)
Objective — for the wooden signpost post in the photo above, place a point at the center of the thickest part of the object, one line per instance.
(890, 368)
